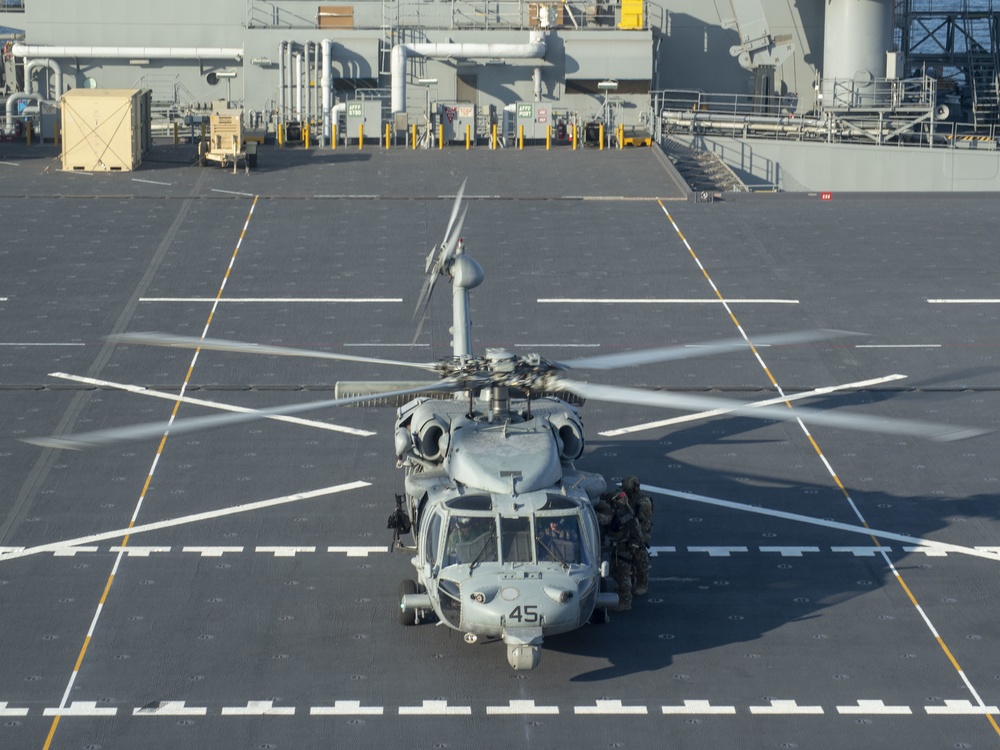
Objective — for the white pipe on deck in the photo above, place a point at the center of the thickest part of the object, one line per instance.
(534, 49)
(44, 62)
(138, 53)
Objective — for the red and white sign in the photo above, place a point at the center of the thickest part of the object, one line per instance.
(826, 196)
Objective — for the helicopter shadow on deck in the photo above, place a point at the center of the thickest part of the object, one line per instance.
(696, 603)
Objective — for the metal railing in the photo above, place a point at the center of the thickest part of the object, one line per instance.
(896, 121)
(452, 14)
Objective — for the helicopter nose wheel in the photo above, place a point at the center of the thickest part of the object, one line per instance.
(523, 657)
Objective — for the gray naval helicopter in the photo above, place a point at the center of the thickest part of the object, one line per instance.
(501, 524)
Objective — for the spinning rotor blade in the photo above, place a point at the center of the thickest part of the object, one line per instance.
(689, 402)
(434, 267)
(690, 351)
(222, 345)
(454, 212)
(118, 435)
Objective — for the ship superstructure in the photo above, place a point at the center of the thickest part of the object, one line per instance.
(790, 96)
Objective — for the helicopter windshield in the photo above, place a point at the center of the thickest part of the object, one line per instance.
(471, 539)
(558, 539)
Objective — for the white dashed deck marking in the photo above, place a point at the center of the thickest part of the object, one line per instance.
(285, 551)
(519, 708)
(699, 707)
(139, 551)
(790, 551)
(258, 708)
(435, 708)
(212, 551)
(870, 707)
(961, 708)
(4, 711)
(655, 551)
(718, 551)
(170, 708)
(929, 551)
(81, 708)
(356, 551)
(785, 707)
(862, 551)
(346, 708)
(72, 551)
(604, 707)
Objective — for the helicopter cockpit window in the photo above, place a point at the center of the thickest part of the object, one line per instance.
(471, 539)
(558, 539)
(516, 536)
(471, 502)
(433, 536)
(558, 502)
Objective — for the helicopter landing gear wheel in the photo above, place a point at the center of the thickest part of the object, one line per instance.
(523, 657)
(406, 588)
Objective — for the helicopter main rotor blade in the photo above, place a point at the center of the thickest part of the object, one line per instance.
(116, 435)
(435, 266)
(689, 402)
(223, 345)
(454, 211)
(690, 351)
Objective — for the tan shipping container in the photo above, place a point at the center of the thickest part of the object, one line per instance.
(105, 130)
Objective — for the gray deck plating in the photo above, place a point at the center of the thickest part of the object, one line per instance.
(275, 627)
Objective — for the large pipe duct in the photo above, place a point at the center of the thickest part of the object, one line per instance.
(135, 53)
(12, 101)
(298, 86)
(29, 68)
(282, 46)
(327, 86)
(533, 50)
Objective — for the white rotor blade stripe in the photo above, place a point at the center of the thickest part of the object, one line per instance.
(766, 402)
(140, 390)
(222, 345)
(145, 431)
(690, 402)
(690, 351)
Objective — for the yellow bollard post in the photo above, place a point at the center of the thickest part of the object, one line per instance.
(621, 136)
(361, 135)
(493, 137)
(574, 137)
(305, 135)
(387, 133)
(600, 139)
(440, 135)
(333, 138)
(548, 137)
(520, 137)
(413, 137)
(280, 134)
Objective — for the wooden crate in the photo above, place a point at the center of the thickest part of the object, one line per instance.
(335, 17)
(105, 130)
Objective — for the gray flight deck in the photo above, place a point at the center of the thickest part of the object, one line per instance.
(767, 625)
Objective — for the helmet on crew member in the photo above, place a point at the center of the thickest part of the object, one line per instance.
(630, 483)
